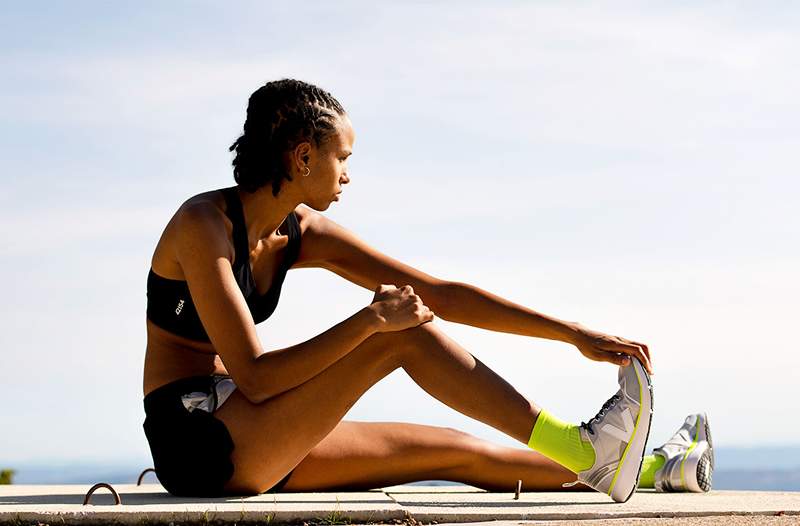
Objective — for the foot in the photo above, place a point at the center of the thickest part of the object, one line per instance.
(618, 434)
(689, 458)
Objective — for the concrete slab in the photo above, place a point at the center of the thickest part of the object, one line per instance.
(483, 506)
(64, 505)
(29, 504)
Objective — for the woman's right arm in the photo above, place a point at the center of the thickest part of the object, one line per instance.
(392, 309)
(205, 254)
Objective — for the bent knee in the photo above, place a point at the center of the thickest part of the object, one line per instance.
(395, 345)
(387, 347)
(423, 331)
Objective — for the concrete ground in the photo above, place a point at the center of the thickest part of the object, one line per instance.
(150, 504)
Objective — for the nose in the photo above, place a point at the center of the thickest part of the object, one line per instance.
(345, 178)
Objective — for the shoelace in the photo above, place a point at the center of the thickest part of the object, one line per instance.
(611, 402)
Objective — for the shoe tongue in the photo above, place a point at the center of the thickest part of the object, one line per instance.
(686, 431)
(683, 436)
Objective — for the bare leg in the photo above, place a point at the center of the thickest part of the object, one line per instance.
(448, 372)
(273, 437)
(365, 455)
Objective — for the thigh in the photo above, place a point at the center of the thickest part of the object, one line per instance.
(272, 437)
(364, 455)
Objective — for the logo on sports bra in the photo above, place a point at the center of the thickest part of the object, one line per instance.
(179, 308)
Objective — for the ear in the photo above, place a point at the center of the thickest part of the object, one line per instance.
(301, 156)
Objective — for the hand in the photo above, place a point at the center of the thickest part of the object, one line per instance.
(605, 348)
(399, 309)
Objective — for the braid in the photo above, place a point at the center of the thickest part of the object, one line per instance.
(280, 115)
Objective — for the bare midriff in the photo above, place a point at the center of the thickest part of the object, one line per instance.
(170, 357)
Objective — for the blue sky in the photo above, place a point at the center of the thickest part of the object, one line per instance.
(628, 166)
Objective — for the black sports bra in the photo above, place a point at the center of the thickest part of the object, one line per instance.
(170, 306)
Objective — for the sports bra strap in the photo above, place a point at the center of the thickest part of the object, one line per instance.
(236, 215)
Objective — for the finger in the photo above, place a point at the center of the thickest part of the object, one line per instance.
(645, 351)
(408, 288)
(610, 357)
(630, 349)
(644, 348)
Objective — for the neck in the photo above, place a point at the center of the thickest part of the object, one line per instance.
(264, 213)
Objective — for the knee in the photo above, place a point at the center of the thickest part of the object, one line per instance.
(470, 450)
(421, 333)
(396, 346)
(390, 347)
(425, 338)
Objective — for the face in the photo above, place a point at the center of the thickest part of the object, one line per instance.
(328, 165)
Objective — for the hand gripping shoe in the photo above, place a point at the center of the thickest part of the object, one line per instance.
(619, 434)
(689, 458)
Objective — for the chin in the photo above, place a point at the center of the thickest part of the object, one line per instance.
(320, 207)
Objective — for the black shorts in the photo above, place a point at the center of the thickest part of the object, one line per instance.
(191, 450)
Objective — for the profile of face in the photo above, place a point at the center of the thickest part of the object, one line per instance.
(328, 166)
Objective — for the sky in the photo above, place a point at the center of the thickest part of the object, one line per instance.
(629, 166)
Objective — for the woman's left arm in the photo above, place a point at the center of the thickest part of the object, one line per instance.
(470, 305)
(328, 245)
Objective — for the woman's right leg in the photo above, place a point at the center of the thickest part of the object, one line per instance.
(273, 437)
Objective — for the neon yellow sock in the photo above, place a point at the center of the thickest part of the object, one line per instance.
(651, 464)
(562, 442)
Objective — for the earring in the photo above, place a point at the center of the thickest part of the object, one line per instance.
(308, 172)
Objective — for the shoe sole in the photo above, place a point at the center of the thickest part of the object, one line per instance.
(702, 464)
(633, 457)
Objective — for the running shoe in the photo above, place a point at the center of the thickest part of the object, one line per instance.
(689, 458)
(619, 434)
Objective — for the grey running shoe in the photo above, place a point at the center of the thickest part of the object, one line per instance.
(618, 434)
(689, 458)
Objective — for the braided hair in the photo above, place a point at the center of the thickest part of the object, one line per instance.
(280, 115)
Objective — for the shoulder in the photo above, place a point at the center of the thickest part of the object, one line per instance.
(198, 226)
(324, 240)
(201, 208)
(331, 246)
(314, 230)
(307, 219)
(201, 222)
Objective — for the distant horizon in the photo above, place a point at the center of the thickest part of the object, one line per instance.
(770, 456)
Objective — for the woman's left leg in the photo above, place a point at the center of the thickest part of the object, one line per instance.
(365, 455)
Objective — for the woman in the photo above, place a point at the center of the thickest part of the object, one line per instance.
(226, 417)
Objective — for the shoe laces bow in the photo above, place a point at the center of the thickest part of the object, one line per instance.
(610, 403)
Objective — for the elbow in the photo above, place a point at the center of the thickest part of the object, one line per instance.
(252, 392)
(253, 387)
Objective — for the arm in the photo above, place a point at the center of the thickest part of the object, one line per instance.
(283, 369)
(204, 253)
(329, 245)
(470, 305)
